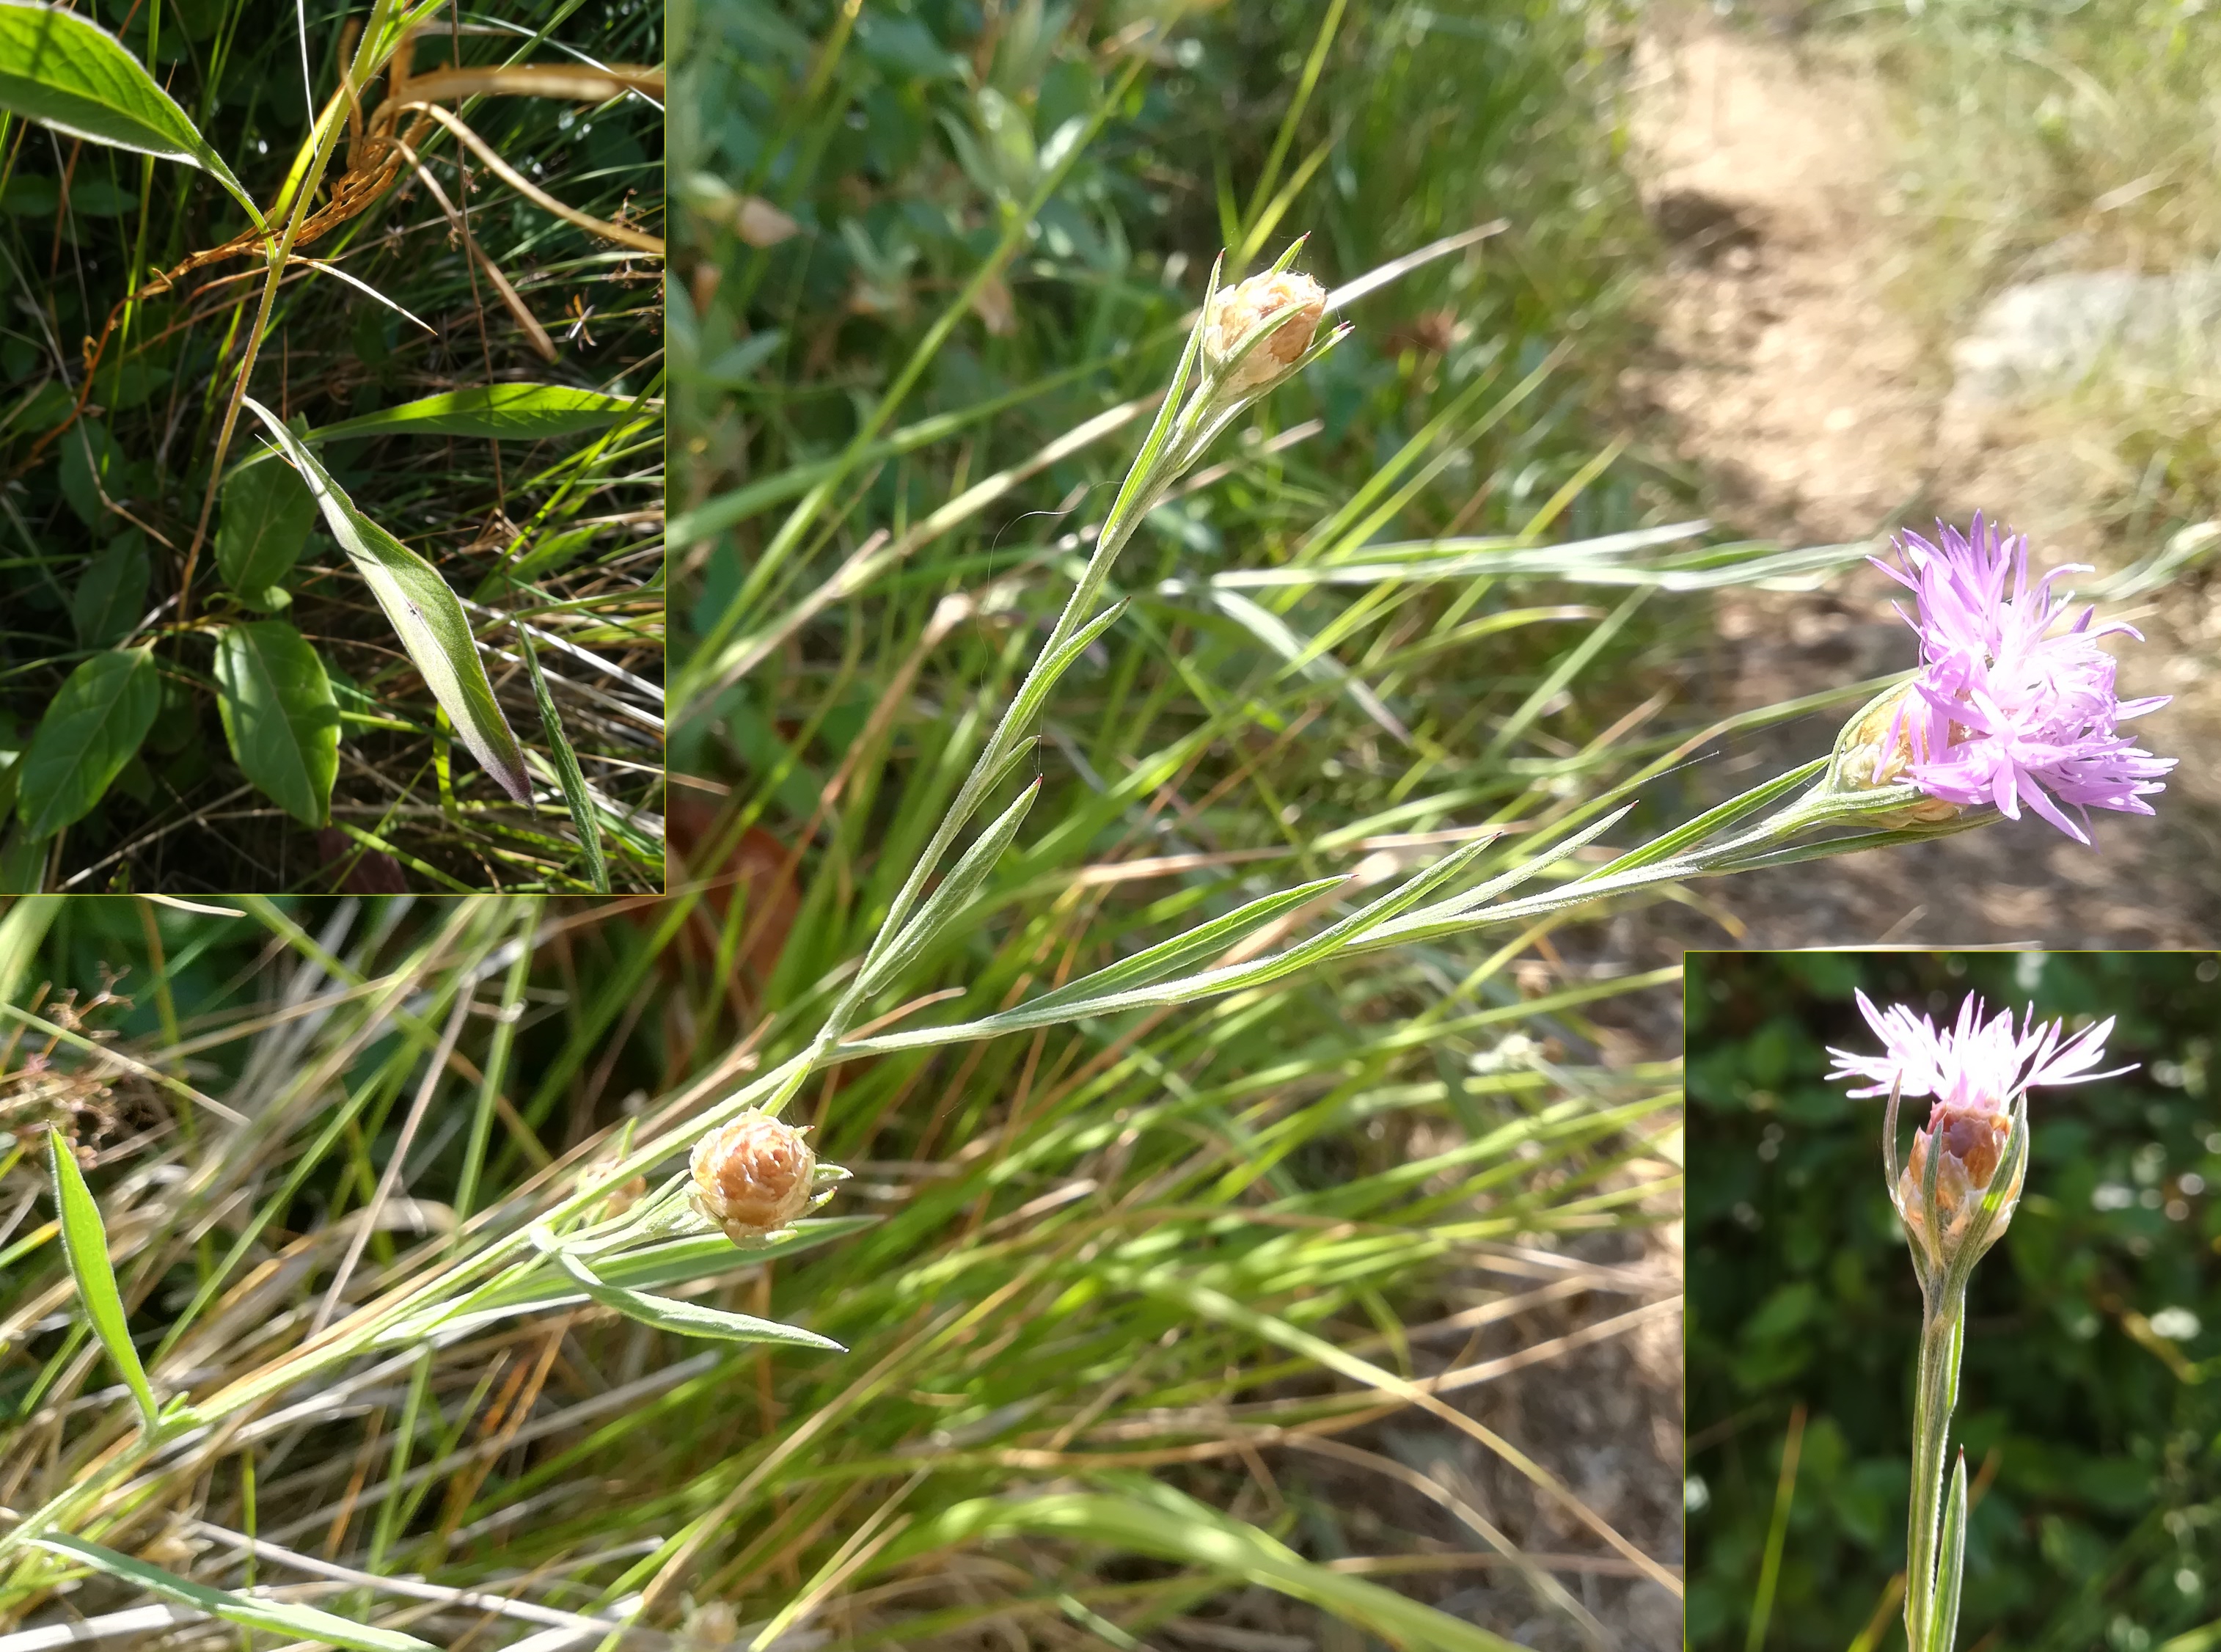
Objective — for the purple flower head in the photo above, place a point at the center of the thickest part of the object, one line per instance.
(1976, 1071)
(2008, 707)
(1977, 1064)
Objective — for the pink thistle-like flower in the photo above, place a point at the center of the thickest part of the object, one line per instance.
(1975, 1071)
(2007, 707)
(1976, 1063)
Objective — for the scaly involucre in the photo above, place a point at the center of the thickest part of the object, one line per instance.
(1975, 1063)
(2008, 708)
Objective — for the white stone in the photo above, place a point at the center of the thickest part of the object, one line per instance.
(2060, 331)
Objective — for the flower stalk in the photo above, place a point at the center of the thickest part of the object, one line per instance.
(1947, 1236)
(1955, 1194)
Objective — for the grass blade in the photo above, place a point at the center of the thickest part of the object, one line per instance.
(279, 1617)
(1168, 1525)
(424, 611)
(583, 817)
(23, 931)
(84, 1242)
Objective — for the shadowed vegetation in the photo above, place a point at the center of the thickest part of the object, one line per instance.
(237, 688)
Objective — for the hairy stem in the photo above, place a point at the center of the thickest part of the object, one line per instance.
(1943, 1331)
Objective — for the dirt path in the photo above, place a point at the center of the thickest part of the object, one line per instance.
(1785, 376)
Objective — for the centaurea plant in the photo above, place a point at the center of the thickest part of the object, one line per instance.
(1955, 1194)
(581, 1234)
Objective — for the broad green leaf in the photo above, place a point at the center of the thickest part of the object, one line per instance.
(512, 412)
(96, 197)
(423, 610)
(584, 820)
(282, 1618)
(23, 866)
(90, 730)
(66, 72)
(279, 716)
(268, 514)
(92, 466)
(84, 1243)
(43, 408)
(29, 194)
(689, 1318)
(111, 594)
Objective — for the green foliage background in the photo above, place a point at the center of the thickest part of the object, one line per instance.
(82, 225)
(2098, 1439)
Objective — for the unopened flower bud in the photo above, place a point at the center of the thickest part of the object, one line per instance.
(1236, 313)
(753, 1176)
(1971, 1138)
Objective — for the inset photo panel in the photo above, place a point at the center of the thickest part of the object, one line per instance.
(1954, 1301)
(331, 431)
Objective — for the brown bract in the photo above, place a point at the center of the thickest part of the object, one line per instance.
(1973, 1140)
(752, 1177)
(1258, 299)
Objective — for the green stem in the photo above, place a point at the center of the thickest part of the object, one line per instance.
(1943, 1331)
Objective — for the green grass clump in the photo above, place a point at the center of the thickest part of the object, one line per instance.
(1076, 1300)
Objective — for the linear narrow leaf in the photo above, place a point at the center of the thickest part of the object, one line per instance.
(267, 513)
(279, 716)
(584, 820)
(84, 1243)
(279, 1617)
(689, 1318)
(1943, 1626)
(510, 412)
(431, 623)
(66, 72)
(956, 889)
(91, 729)
(1352, 931)
(678, 1262)
(1204, 941)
